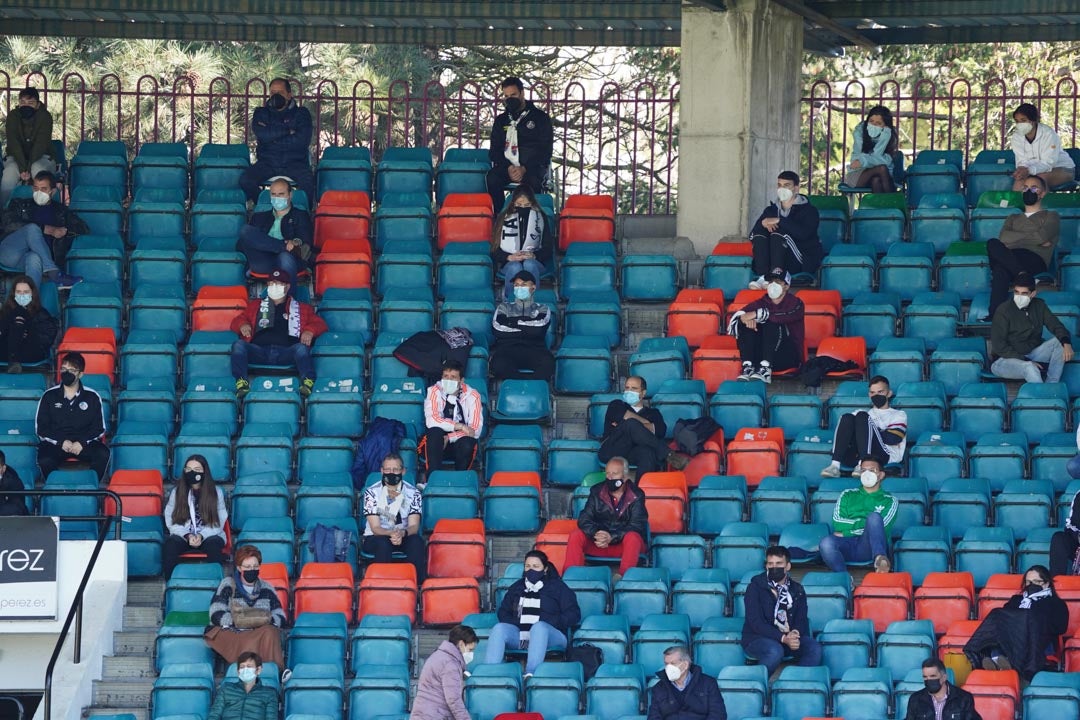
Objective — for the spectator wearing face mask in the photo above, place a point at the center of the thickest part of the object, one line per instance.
(27, 330)
(1026, 242)
(635, 431)
(279, 238)
(29, 143)
(454, 414)
(440, 690)
(283, 131)
(522, 140)
(683, 691)
(878, 434)
(521, 325)
(1016, 337)
(770, 331)
(777, 623)
(613, 523)
(786, 234)
(1038, 150)
(37, 232)
(521, 238)
(245, 698)
(195, 516)
(874, 143)
(276, 330)
(245, 612)
(393, 509)
(70, 422)
(939, 698)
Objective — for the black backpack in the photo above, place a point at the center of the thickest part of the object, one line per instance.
(814, 370)
(690, 435)
(588, 655)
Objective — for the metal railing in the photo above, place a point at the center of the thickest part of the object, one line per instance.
(107, 522)
(608, 138)
(956, 115)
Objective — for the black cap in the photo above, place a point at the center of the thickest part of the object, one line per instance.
(779, 273)
(526, 276)
(280, 276)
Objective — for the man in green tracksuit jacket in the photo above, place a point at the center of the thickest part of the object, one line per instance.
(862, 520)
(28, 129)
(1016, 337)
(246, 698)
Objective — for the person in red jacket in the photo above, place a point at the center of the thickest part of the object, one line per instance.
(276, 330)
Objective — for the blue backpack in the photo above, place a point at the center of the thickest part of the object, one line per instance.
(383, 437)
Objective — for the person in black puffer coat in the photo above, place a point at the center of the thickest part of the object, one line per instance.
(684, 692)
(27, 330)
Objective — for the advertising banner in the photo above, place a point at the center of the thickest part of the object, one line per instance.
(28, 589)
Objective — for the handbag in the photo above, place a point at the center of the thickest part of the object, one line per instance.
(245, 617)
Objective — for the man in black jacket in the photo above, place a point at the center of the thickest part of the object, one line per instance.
(684, 692)
(520, 348)
(1016, 341)
(614, 521)
(786, 234)
(955, 703)
(776, 616)
(635, 431)
(71, 422)
(37, 232)
(280, 238)
(521, 144)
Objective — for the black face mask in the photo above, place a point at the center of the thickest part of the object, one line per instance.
(277, 102)
(512, 104)
(1032, 588)
(534, 576)
(192, 477)
(878, 401)
(933, 686)
(249, 576)
(68, 378)
(391, 479)
(1031, 196)
(614, 483)
(775, 574)
(27, 112)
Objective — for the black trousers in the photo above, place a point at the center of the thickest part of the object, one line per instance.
(175, 546)
(413, 546)
(50, 457)
(769, 342)
(633, 441)
(510, 362)
(261, 171)
(1005, 265)
(857, 439)
(497, 180)
(1063, 547)
(463, 450)
(771, 251)
(17, 342)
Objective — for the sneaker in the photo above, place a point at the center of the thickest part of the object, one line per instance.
(760, 284)
(747, 372)
(678, 460)
(763, 373)
(286, 675)
(305, 387)
(615, 578)
(14, 368)
(66, 282)
(882, 564)
(989, 664)
(856, 471)
(830, 471)
(526, 676)
(1003, 663)
(243, 387)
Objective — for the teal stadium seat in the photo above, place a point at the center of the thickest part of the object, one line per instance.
(615, 691)
(923, 550)
(961, 503)
(715, 502)
(404, 170)
(847, 644)
(991, 170)
(100, 163)
(344, 168)
(880, 221)
(678, 554)
(740, 548)
(378, 689)
(745, 689)
(904, 644)
(934, 171)
(585, 268)
(317, 688)
(649, 277)
(863, 693)
(493, 689)
(596, 314)
(985, 551)
(641, 592)
(848, 269)
(939, 219)
(800, 692)
(219, 166)
(778, 502)
(462, 170)
(262, 494)
(701, 594)
(1039, 409)
(264, 447)
(555, 689)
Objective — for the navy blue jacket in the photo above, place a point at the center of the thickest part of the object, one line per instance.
(558, 604)
(284, 135)
(700, 700)
(295, 224)
(760, 604)
(801, 225)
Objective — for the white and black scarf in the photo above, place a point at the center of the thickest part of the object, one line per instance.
(1025, 602)
(529, 609)
(784, 603)
(511, 151)
(515, 239)
(267, 306)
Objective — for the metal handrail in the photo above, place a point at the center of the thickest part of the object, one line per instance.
(75, 612)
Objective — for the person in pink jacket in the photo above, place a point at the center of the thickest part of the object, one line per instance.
(439, 691)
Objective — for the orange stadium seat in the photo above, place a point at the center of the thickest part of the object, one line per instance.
(586, 218)
(216, 306)
(755, 453)
(277, 575)
(996, 692)
(446, 601)
(706, 462)
(325, 588)
(883, 598)
(665, 501)
(340, 264)
(715, 361)
(999, 588)
(1067, 588)
(98, 348)
(845, 348)
(945, 598)
(140, 492)
(736, 249)
(956, 637)
(517, 478)
(464, 217)
(743, 298)
(344, 215)
(694, 321)
(819, 322)
(553, 538)
(457, 548)
(388, 589)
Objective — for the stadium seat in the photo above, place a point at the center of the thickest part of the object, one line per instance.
(513, 502)
(745, 689)
(1039, 409)
(446, 601)
(641, 592)
(922, 550)
(934, 171)
(863, 693)
(847, 644)
(903, 643)
(828, 594)
(649, 277)
(388, 589)
(695, 321)
(945, 598)
(343, 169)
(464, 218)
(378, 691)
(513, 448)
(586, 267)
(462, 170)
(799, 692)
(665, 500)
(586, 218)
(779, 502)
(1051, 694)
(457, 548)
(883, 598)
(832, 219)
(615, 691)
(879, 221)
(183, 689)
(997, 693)
(583, 366)
(523, 401)
(404, 170)
(381, 640)
(275, 539)
(740, 548)
(755, 453)
(317, 688)
(609, 632)
(317, 635)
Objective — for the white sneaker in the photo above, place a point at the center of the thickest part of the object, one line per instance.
(830, 471)
(760, 284)
(747, 372)
(763, 373)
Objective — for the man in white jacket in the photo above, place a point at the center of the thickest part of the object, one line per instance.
(1038, 151)
(454, 415)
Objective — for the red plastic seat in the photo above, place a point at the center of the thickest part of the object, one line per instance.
(586, 218)
(216, 306)
(996, 692)
(694, 321)
(715, 361)
(701, 295)
(945, 598)
(830, 298)
(553, 538)
(1072, 655)
(516, 478)
(457, 548)
(97, 346)
(665, 501)
(845, 348)
(735, 249)
(999, 588)
(388, 589)
(706, 462)
(343, 215)
(819, 323)
(446, 601)
(1067, 588)
(340, 265)
(755, 453)
(464, 217)
(743, 298)
(277, 575)
(956, 637)
(883, 598)
(325, 588)
(140, 492)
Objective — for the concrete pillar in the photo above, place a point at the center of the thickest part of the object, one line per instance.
(739, 119)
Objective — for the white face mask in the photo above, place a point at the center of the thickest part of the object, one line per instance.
(275, 291)
(775, 290)
(42, 198)
(1023, 128)
(467, 655)
(1022, 301)
(672, 671)
(246, 674)
(784, 194)
(448, 386)
(868, 478)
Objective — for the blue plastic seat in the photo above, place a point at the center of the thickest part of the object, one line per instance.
(274, 537)
(848, 269)
(378, 690)
(523, 401)
(462, 170)
(985, 551)
(740, 548)
(571, 460)
(878, 226)
(344, 168)
(718, 644)
(100, 163)
(615, 691)
(1039, 409)
(977, 409)
(933, 323)
(939, 219)
(800, 692)
(97, 258)
(874, 322)
(745, 689)
(726, 272)
(961, 503)
(847, 644)
(595, 314)
(923, 550)
(219, 166)
(913, 496)
(902, 645)
(778, 502)
(958, 361)
(991, 170)
(863, 692)
(938, 456)
(701, 594)
(177, 644)
(592, 587)
(264, 447)
(210, 439)
(715, 502)
(584, 270)
(262, 494)
(967, 275)
(924, 404)
(1050, 457)
(381, 640)
(191, 587)
(316, 688)
(555, 689)
(641, 592)
(934, 171)
(649, 277)
(986, 222)
(183, 689)
(402, 400)
(999, 456)
(795, 413)
(404, 170)
(737, 405)
(450, 494)
(678, 554)
(828, 594)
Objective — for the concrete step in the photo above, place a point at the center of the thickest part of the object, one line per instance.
(134, 642)
(122, 693)
(142, 616)
(140, 713)
(148, 592)
(128, 667)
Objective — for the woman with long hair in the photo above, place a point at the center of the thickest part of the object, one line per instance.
(195, 516)
(521, 238)
(872, 152)
(27, 330)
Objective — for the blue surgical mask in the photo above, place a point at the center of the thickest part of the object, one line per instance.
(279, 203)
(874, 131)
(246, 674)
(631, 397)
(521, 292)
(23, 299)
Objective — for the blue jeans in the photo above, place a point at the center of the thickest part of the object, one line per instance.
(837, 552)
(265, 254)
(1050, 352)
(542, 637)
(297, 355)
(26, 249)
(513, 267)
(771, 653)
